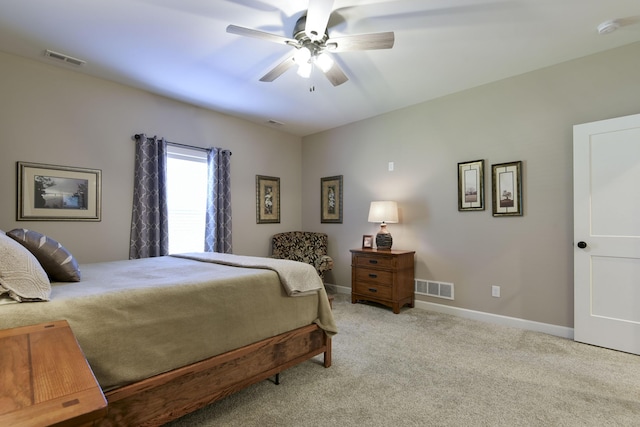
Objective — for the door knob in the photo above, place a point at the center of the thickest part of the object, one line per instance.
(582, 245)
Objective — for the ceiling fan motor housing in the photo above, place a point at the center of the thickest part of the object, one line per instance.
(305, 41)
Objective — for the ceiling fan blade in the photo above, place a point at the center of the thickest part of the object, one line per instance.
(317, 18)
(361, 42)
(248, 32)
(335, 75)
(278, 70)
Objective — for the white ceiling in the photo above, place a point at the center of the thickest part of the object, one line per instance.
(180, 49)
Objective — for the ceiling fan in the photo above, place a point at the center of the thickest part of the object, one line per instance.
(312, 45)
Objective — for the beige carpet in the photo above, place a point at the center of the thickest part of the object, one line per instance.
(421, 368)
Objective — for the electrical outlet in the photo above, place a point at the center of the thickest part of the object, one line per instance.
(495, 291)
(391, 166)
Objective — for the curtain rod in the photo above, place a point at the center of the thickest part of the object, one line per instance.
(177, 144)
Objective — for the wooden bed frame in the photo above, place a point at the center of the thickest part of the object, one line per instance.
(165, 397)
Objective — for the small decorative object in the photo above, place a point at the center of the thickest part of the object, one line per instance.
(383, 212)
(267, 200)
(507, 189)
(471, 186)
(367, 241)
(331, 199)
(58, 193)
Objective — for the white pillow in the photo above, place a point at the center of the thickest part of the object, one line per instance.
(21, 275)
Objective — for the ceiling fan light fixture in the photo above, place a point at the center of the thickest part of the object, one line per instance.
(304, 70)
(310, 39)
(302, 56)
(324, 61)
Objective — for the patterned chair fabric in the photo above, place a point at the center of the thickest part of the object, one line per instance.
(303, 246)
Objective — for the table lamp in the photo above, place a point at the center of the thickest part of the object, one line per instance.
(383, 212)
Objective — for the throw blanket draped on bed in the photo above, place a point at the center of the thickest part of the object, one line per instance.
(298, 279)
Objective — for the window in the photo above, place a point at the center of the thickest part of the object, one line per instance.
(186, 198)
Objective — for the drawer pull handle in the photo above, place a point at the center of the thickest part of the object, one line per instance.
(373, 261)
(373, 276)
(373, 290)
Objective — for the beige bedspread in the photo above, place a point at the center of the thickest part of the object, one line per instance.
(135, 319)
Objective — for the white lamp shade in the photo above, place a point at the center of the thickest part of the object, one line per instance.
(383, 211)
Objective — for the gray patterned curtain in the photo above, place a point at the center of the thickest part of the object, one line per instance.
(149, 222)
(217, 235)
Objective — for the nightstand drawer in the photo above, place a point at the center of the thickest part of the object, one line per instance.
(373, 290)
(374, 261)
(380, 277)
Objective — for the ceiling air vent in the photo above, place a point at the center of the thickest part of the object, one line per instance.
(275, 123)
(64, 58)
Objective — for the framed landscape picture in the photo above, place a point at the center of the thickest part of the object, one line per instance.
(267, 199)
(471, 186)
(58, 193)
(507, 189)
(331, 199)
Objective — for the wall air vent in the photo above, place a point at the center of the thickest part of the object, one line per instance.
(275, 123)
(64, 58)
(434, 289)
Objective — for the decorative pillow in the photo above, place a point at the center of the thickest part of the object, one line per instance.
(21, 275)
(56, 260)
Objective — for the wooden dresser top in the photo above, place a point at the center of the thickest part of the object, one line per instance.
(46, 379)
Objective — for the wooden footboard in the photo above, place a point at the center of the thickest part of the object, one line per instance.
(160, 399)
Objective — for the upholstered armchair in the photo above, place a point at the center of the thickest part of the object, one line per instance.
(303, 246)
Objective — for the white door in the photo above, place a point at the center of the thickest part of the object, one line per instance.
(606, 177)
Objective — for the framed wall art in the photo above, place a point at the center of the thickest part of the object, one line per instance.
(267, 200)
(331, 199)
(507, 189)
(471, 186)
(58, 193)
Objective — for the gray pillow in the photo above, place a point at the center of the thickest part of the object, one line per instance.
(56, 260)
(21, 275)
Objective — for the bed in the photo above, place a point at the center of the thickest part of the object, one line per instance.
(167, 335)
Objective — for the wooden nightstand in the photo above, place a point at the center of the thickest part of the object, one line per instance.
(383, 276)
(45, 378)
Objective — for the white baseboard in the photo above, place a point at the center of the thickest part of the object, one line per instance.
(514, 322)
(337, 289)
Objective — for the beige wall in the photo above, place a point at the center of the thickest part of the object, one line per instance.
(528, 118)
(49, 114)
